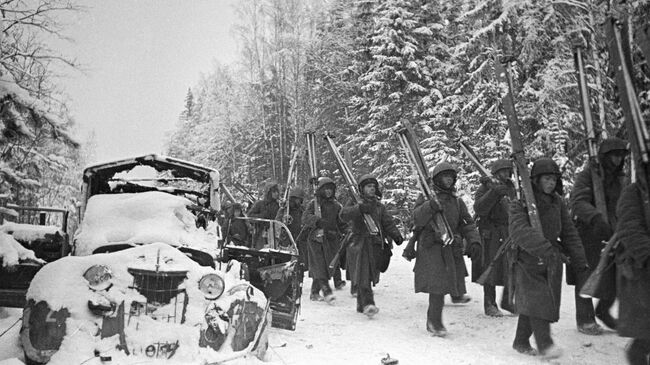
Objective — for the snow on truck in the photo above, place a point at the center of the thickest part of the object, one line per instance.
(141, 283)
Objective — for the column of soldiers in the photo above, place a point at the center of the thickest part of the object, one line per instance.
(531, 269)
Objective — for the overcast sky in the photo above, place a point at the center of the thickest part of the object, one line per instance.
(140, 57)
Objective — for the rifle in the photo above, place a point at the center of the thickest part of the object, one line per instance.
(337, 257)
(371, 225)
(590, 287)
(474, 159)
(245, 192)
(313, 169)
(411, 148)
(286, 218)
(503, 76)
(592, 148)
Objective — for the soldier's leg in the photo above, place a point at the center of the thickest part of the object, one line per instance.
(585, 316)
(637, 352)
(522, 336)
(339, 283)
(542, 332)
(602, 312)
(490, 301)
(434, 313)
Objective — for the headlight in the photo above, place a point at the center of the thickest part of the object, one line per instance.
(212, 286)
(98, 277)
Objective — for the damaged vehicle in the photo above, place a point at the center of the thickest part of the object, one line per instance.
(269, 259)
(34, 237)
(142, 280)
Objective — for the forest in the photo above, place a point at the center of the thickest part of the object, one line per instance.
(357, 69)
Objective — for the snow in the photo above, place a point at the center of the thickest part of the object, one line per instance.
(337, 334)
(62, 285)
(28, 232)
(141, 218)
(12, 252)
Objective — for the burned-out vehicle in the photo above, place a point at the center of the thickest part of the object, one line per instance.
(36, 236)
(142, 281)
(269, 258)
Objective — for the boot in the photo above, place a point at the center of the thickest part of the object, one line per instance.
(461, 299)
(602, 313)
(316, 297)
(524, 348)
(551, 352)
(370, 310)
(436, 331)
(338, 285)
(493, 311)
(591, 329)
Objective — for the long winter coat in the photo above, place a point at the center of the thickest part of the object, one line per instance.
(265, 209)
(633, 266)
(492, 212)
(538, 283)
(583, 210)
(441, 269)
(365, 250)
(323, 249)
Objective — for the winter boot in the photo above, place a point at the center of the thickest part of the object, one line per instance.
(551, 352)
(353, 291)
(330, 298)
(602, 313)
(370, 310)
(338, 285)
(591, 329)
(524, 348)
(316, 297)
(461, 299)
(436, 331)
(493, 311)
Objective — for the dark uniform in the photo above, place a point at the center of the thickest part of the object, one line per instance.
(296, 209)
(325, 229)
(491, 206)
(265, 209)
(367, 252)
(538, 262)
(633, 274)
(236, 230)
(440, 270)
(594, 230)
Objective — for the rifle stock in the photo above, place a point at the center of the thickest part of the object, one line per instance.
(337, 257)
(590, 287)
(500, 252)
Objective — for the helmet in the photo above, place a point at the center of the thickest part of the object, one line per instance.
(297, 193)
(543, 166)
(612, 144)
(500, 165)
(442, 167)
(369, 179)
(322, 181)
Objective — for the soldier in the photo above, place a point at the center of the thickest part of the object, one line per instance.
(538, 263)
(594, 229)
(296, 209)
(325, 231)
(236, 230)
(366, 251)
(440, 269)
(633, 273)
(491, 206)
(266, 208)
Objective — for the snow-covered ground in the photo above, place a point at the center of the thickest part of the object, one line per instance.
(339, 335)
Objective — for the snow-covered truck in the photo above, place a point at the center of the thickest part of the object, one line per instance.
(34, 237)
(142, 283)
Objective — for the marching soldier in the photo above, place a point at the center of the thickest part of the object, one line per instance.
(538, 263)
(594, 229)
(440, 269)
(324, 239)
(633, 274)
(266, 208)
(367, 252)
(491, 206)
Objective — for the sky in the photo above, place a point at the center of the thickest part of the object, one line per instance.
(138, 59)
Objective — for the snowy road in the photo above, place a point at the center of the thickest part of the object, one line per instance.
(339, 335)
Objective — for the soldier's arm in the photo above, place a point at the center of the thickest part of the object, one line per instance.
(467, 225)
(484, 200)
(581, 201)
(388, 226)
(571, 240)
(631, 228)
(309, 219)
(350, 212)
(343, 226)
(523, 234)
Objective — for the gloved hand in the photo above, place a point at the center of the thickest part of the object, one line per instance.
(365, 208)
(501, 189)
(485, 180)
(409, 253)
(434, 206)
(601, 228)
(399, 240)
(475, 251)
